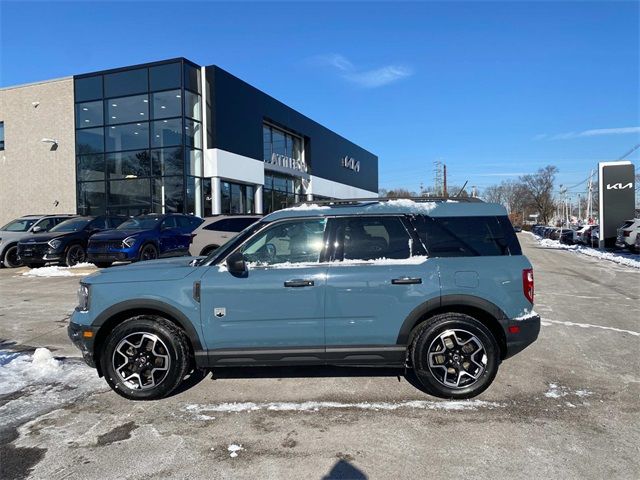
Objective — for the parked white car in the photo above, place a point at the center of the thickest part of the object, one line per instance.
(218, 230)
(627, 234)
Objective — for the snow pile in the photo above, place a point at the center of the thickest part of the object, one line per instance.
(314, 406)
(234, 449)
(526, 315)
(629, 260)
(44, 383)
(305, 207)
(56, 271)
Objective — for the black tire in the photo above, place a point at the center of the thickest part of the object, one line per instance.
(148, 252)
(102, 264)
(207, 250)
(173, 344)
(74, 255)
(434, 335)
(10, 259)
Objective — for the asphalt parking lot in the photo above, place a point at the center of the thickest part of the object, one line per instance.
(566, 407)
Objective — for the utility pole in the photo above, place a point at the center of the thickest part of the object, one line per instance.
(437, 178)
(444, 176)
(590, 197)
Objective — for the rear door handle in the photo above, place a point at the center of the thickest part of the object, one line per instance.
(405, 281)
(299, 282)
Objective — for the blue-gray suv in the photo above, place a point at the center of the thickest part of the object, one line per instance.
(439, 287)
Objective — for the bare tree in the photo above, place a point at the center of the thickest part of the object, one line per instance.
(538, 191)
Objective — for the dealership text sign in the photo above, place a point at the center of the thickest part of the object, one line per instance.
(617, 198)
(288, 162)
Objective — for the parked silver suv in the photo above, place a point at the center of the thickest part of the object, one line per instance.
(218, 230)
(20, 228)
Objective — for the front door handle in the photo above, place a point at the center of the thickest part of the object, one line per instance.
(406, 281)
(298, 282)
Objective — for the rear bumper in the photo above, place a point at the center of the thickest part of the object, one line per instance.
(84, 343)
(529, 330)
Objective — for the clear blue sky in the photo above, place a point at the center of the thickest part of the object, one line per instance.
(491, 89)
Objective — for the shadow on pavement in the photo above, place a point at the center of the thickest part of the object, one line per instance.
(343, 470)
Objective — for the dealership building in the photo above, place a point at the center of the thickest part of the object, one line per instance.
(167, 136)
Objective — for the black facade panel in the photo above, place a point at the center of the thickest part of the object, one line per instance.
(237, 116)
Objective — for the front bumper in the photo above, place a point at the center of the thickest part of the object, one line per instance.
(83, 341)
(529, 329)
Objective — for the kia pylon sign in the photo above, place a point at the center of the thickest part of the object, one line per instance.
(617, 198)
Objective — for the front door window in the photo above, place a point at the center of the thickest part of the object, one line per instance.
(298, 241)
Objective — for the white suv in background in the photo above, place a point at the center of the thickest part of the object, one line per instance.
(627, 234)
(218, 230)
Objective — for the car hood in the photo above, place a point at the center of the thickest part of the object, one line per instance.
(46, 236)
(147, 271)
(8, 236)
(117, 234)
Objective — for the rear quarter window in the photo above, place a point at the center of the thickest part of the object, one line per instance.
(467, 236)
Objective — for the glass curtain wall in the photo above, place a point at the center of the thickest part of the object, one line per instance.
(280, 191)
(139, 141)
(236, 198)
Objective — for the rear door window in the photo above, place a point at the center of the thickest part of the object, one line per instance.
(467, 236)
(371, 238)
(231, 224)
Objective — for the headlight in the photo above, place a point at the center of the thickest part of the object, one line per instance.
(83, 297)
(55, 244)
(129, 242)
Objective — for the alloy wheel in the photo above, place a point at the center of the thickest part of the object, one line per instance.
(11, 259)
(75, 255)
(142, 361)
(457, 358)
(149, 253)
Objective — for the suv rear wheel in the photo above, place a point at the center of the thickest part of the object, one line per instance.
(454, 356)
(145, 358)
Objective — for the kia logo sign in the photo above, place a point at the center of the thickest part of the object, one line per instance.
(350, 163)
(619, 186)
(617, 198)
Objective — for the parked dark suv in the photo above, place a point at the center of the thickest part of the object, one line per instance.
(66, 243)
(440, 288)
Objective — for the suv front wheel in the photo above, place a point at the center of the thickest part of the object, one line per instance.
(454, 356)
(145, 358)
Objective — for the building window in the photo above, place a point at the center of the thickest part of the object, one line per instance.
(1, 135)
(282, 148)
(281, 191)
(236, 198)
(139, 141)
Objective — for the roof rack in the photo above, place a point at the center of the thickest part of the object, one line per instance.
(359, 201)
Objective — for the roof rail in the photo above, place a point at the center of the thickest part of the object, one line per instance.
(358, 201)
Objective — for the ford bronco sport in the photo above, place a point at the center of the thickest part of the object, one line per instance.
(439, 287)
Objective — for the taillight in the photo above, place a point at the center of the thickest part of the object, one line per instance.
(527, 283)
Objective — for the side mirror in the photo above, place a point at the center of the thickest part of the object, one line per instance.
(37, 229)
(236, 264)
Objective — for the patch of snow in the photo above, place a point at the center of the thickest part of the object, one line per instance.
(556, 391)
(53, 271)
(234, 449)
(83, 265)
(526, 315)
(306, 207)
(627, 259)
(43, 382)
(583, 393)
(314, 406)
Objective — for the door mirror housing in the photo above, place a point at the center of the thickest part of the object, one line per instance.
(236, 264)
(37, 229)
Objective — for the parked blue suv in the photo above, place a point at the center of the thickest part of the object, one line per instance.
(145, 237)
(440, 288)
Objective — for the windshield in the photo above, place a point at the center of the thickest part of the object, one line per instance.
(20, 225)
(73, 225)
(231, 245)
(146, 222)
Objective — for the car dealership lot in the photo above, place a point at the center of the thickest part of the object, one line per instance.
(567, 407)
